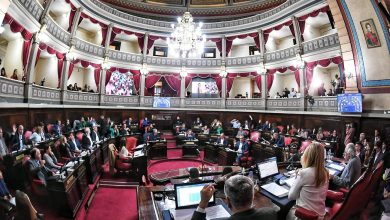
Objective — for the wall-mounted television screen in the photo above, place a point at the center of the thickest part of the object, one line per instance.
(120, 84)
(350, 103)
(204, 88)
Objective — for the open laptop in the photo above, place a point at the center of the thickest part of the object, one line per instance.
(267, 169)
(187, 195)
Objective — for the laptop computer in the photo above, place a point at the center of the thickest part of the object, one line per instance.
(267, 169)
(187, 195)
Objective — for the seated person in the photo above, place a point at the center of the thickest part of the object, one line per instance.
(206, 130)
(4, 192)
(311, 184)
(183, 128)
(240, 133)
(18, 142)
(64, 147)
(24, 208)
(198, 122)
(274, 128)
(360, 152)
(74, 144)
(227, 172)
(352, 170)
(37, 166)
(129, 122)
(235, 123)
(239, 192)
(154, 136)
(145, 122)
(82, 123)
(124, 154)
(293, 131)
(190, 136)
(50, 159)
(36, 137)
(319, 136)
(3, 145)
(247, 125)
(266, 126)
(86, 141)
(259, 125)
(277, 140)
(95, 134)
(241, 147)
(222, 140)
(124, 130)
(57, 129)
(67, 128)
(194, 175)
(219, 129)
(178, 121)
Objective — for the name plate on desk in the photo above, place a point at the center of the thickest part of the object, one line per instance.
(190, 143)
(19, 157)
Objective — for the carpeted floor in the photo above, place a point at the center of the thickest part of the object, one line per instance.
(113, 203)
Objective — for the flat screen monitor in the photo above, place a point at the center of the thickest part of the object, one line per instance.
(188, 194)
(268, 168)
(350, 103)
(204, 88)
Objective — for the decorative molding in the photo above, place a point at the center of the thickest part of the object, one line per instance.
(203, 102)
(125, 56)
(291, 104)
(55, 30)
(41, 93)
(245, 103)
(163, 61)
(321, 43)
(11, 88)
(243, 61)
(82, 97)
(323, 104)
(89, 48)
(33, 7)
(283, 54)
(203, 63)
(121, 100)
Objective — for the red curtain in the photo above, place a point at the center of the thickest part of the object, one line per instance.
(188, 80)
(231, 76)
(71, 67)
(216, 77)
(108, 74)
(136, 78)
(218, 43)
(229, 85)
(270, 80)
(151, 80)
(103, 26)
(71, 14)
(302, 19)
(116, 31)
(278, 27)
(97, 77)
(229, 40)
(258, 82)
(324, 63)
(174, 82)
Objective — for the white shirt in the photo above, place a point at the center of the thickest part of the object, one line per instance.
(75, 145)
(306, 193)
(240, 148)
(222, 141)
(124, 153)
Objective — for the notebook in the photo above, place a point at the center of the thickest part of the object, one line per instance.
(275, 189)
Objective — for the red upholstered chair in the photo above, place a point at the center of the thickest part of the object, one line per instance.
(131, 143)
(79, 136)
(246, 160)
(115, 163)
(27, 136)
(36, 185)
(49, 128)
(63, 158)
(287, 141)
(140, 124)
(281, 128)
(255, 136)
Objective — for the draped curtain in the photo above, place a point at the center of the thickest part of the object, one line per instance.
(270, 80)
(59, 56)
(103, 26)
(218, 43)
(271, 72)
(278, 27)
(216, 77)
(302, 19)
(231, 76)
(151, 40)
(116, 31)
(229, 40)
(324, 63)
(27, 36)
(86, 64)
(72, 13)
(174, 82)
(150, 80)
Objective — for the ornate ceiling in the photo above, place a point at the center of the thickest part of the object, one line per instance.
(206, 10)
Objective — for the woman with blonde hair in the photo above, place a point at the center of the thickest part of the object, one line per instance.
(312, 182)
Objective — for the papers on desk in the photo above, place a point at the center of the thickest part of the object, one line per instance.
(336, 167)
(83, 154)
(140, 146)
(332, 172)
(290, 181)
(275, 189)
(212, 212)
(138, 153)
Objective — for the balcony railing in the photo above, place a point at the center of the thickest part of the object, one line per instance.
(243, 61)
(204, 63)
(83, 98)
(288, 104)
(163, 61)
(203, 103)
(33, 7)
(125, 56)
(321, 43)
(323, 104)
(11, 90)
(283, 54)
(245, 104)
(42, 94)
(121, 100)
(55, 30)
(89, 48)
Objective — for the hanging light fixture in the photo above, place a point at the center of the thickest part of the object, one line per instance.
(186, 38)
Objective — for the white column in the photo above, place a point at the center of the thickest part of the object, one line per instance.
(182, 91)
(145, 49)
(224, 48)
(102, 85)
(302, 88)
(297, 32)
(4, 5)
(29, 72)
(142, 85)
(262, 43)
(263, 86)
(46, 10)
(223, 92)
(75, 23)
(64, 79)
(109, 32)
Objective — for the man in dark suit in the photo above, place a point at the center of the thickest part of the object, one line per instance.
(95, 134)
(190, 136)
(86, 141)
(241, 147)
(239, 191)
(18, 142)
(74, 144)
(222, 140)
(154, 136)
(57, 129)
(124, 130)
(103, 126)
(277, 140)
(37, 166)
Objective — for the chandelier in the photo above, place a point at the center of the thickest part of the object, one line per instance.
(186, 39)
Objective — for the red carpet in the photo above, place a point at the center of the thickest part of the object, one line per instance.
(113, 203)
(171, 165)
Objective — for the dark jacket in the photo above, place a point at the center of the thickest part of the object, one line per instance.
(225, 142)
(262, 213)
(94, 135)
(15, 143)
(36, 171)
(244, 147)
(85, 142)
(72, 146)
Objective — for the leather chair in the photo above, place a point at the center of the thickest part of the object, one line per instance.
(115, 163)
(131, 143)
(36, 185)
(254, 136)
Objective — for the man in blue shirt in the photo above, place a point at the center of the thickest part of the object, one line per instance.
(241, 147)
(277, 140)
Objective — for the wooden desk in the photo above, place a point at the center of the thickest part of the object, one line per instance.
(93, 164)
(211, 152)
(69, 193)
(157, 149)
(190, 149)
(160, 178)
(262, 151)
(226, 158)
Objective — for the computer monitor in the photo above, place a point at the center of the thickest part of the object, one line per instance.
(187, 195)
(267, 168)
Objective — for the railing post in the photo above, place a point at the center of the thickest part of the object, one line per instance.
(223, 95)
(182, 90)
(302, 87)
(142, 89)
(298, 34)
(264, 89)
(46, 10)
(262, 44)
(75, 23)
(102, 85)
